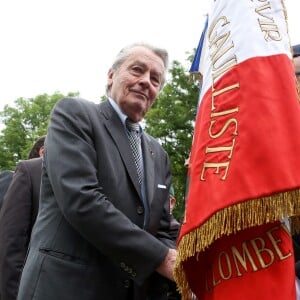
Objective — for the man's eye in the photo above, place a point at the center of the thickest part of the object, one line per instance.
(137, 69)
(155, 80)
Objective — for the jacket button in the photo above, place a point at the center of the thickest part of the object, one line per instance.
(122, 265)
(140, 210)
(126, 283)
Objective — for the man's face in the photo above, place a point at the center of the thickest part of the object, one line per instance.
(297, 67)
(136, 84)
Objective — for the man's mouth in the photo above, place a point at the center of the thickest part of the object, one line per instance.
(141, 94)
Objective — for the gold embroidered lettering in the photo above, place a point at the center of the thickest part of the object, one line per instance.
(213, 282)
(221, 149)
(267, 23)
(222, 60)
(276, 242)
(238, 258)
(223, 129)
(216, 166)
(229, 63)
(224, 112)
(262, 249)
(251, 256)
(259, 10)
(223, 20)
(228, 264)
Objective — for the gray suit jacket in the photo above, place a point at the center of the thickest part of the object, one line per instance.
(89, 241)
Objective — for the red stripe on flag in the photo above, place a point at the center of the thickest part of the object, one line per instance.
(245, 139)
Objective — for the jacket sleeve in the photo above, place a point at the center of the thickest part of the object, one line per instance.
(15, 230)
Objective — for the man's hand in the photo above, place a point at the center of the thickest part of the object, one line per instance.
(167, 266)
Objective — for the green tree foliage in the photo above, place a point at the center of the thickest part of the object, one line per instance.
(23, 123)
(171, 121)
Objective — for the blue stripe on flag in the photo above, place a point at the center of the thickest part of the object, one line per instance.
(196, 62)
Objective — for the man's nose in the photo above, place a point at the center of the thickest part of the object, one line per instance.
(145, 80)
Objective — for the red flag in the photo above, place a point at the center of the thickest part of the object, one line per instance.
(255, 263)
(244, 163)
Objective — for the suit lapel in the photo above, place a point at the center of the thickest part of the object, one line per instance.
(116, 130)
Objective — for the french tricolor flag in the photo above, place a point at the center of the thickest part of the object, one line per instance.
(244, 174)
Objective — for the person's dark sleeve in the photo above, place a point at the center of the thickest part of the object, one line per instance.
(15, 230)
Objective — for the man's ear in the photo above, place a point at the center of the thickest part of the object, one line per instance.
(110, 75)
(41, 151)
(109, 83)
(172, 203)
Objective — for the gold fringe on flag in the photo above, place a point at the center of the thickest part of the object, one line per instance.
(232, 219)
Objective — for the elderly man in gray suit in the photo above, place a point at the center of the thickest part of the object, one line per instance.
(102, 230)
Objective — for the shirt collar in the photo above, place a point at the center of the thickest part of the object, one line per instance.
(117, 110)
(121, 115)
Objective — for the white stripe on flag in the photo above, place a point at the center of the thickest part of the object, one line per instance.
(264, 24)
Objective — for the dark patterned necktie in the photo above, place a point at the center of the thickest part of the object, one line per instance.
(135, 143)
